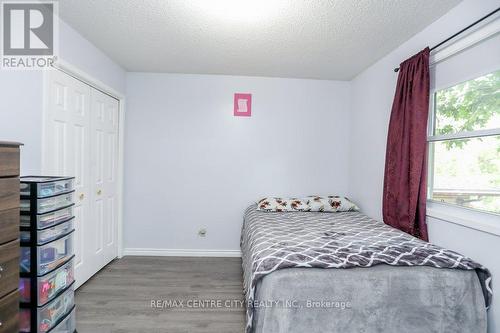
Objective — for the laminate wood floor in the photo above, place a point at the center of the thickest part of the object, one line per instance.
(119, 298)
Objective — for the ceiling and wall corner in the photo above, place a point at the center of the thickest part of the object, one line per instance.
(84, 55)
(321, 39)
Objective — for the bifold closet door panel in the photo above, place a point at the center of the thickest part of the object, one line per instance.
(104, 156)
(81, 140)
(67, 153)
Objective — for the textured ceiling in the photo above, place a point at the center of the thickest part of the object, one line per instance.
(324, 39)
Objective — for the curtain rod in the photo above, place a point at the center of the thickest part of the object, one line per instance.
(460, 32)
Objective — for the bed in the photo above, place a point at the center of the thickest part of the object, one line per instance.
(345, 272)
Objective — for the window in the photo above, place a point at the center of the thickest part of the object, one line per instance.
(464, 144)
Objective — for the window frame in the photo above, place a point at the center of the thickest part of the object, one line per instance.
(438, 206)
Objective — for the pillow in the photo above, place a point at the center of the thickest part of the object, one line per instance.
(330, 204)
(314, 203)
(270, 204)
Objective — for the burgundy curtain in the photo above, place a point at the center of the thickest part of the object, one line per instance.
(405, 178)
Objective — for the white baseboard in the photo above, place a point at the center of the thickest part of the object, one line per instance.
(180, 252)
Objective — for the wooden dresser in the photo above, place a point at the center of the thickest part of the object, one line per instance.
(9, 237)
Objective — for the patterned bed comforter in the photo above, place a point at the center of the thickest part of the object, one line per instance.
(272, 241)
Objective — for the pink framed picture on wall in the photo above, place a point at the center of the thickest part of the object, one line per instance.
(242, 105)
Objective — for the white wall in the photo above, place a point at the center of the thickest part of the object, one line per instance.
(21, 94)
(372, 95)
(21, 97)
(189, 163)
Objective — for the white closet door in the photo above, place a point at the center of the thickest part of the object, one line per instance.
(67, 152)
(77, 143)
(104, 167)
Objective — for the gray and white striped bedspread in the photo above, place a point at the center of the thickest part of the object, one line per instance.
(275, 240)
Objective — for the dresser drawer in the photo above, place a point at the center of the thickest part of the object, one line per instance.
(9, 225)
(9, 193)
(9, 267)
(9, 313)
(9, 161)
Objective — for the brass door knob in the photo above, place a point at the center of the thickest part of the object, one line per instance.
(99, 192)
(81, 196)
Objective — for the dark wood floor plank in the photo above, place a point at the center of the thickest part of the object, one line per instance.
(118, 298)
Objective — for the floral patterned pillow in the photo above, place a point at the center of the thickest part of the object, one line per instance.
(328, 204)
(271, 204)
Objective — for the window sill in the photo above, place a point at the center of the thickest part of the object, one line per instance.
(485, 222)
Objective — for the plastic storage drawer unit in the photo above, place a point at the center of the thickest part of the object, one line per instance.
(50, 314)
(41, 187)
(46, 285)
(49, 234)
(49, 285)
(49, 256)
(49, 219)
(44, 205)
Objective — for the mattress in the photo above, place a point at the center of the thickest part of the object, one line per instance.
(290, 256)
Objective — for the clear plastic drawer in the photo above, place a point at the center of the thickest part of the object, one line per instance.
(48, 219)
(67, 325)
(49, 256)
(46, 186)
(50, 314)
(48, 204)
(46, 235)
(48, 286)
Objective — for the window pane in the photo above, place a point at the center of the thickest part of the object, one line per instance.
(468, 106)
(466, 172)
